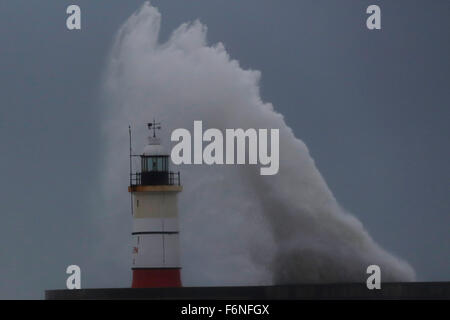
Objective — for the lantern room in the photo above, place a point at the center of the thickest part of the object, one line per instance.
(155, 167)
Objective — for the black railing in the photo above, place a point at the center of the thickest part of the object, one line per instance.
(155, 178)
(174, 178)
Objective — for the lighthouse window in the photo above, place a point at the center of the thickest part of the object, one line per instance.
(151, 164)
(156, 163)
(162, 164)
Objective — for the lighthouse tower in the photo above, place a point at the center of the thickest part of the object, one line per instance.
(154, 191)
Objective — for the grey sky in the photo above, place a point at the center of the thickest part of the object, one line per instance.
(372, 106)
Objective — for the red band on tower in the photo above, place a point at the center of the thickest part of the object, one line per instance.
(154, 278)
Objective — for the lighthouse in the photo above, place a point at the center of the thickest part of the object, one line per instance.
(154, 191)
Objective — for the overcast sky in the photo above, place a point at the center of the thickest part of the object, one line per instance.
(372, 106)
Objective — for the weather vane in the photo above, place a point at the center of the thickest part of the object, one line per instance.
(154, 126)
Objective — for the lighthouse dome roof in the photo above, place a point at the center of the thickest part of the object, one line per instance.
(154, 148)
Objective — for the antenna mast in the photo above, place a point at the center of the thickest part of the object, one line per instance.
(131, 169)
